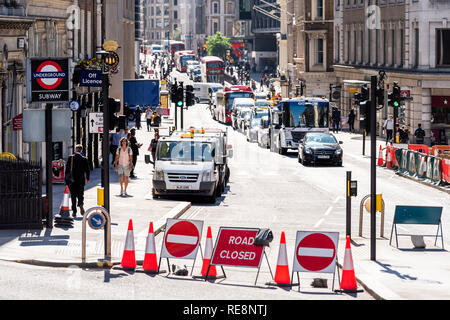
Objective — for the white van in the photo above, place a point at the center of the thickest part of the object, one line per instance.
(202, 90)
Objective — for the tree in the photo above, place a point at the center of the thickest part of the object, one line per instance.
(217, 45)
(176, 35)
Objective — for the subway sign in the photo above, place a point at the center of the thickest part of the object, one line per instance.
(48, 79)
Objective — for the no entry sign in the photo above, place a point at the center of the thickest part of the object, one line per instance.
(49, 79)
(315, 252)
(235, 247)
(181, 239)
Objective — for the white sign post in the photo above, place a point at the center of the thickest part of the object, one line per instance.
(96, 122)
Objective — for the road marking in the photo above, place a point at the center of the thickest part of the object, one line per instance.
(318, 223)
(328, 210)
(337, 199)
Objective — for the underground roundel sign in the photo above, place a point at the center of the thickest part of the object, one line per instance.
(181, 239)
(315, 252)
(49, 79)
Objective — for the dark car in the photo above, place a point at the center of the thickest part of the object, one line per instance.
(320, 147)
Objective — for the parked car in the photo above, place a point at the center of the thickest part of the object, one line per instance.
(263, 132)
(320, 147)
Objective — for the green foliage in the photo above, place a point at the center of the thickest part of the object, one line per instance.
(217, 45)
(176, 35)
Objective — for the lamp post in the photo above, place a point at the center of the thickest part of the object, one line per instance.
(105, 140)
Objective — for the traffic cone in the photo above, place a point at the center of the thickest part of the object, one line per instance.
(64, 209)
(207, 257)
(388, 157)
(380, 157)
(282, 276)
(129, 257)
(348, 282)
(150, 260)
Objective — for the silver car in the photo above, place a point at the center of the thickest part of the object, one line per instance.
(263, 132)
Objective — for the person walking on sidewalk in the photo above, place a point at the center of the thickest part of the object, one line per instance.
(351, 121)
(138, 117)
(336, 117)
(123, 164)
(389, 128)
(134, 145)
(79, 167)
(419, 134)
(115, 139)
(153, 145)
(148, 117)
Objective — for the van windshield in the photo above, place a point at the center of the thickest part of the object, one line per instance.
(191, 151)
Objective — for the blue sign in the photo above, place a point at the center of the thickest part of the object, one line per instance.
(90, 78)
(97, 220)
(74, 105)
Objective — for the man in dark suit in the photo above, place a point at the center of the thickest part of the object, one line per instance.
(79, 166)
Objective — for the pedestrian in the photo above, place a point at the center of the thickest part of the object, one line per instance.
(115, 139)
(419, 134)
(336, 119)
(148, 117)
(134, 145)
(351, 121)
(123, 164)
(153, 145)
(403, 134)
(138, 117)
(389, 128)
(78, 166)
(253, 85)
(157, 119)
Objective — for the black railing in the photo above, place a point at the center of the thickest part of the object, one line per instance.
(21, 202)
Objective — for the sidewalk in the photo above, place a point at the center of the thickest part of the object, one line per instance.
(58, 246)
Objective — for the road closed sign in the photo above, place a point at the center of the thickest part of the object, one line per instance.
(315, 252)
(181, 239)
(235, 247)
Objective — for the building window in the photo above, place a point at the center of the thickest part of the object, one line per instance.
(153, 11)
(158, 11)
(215, 27)
(416, 57)
(320, 9)
(385, 45)
(369, 54)
(229, 7)
(319, 51)
(377, 43)
(362, 46)
(348, 46)
(354, 47)
(401, 48)
(338, 46)
(175, 15)
(175, 26)
(393, 46)
(443, 47)
(215, 8)
(166, 11)
(175, 2)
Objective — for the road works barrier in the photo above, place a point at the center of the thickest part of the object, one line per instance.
(421, 165)
(365, 203)
(420, 215)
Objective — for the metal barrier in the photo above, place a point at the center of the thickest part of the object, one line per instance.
(361, 211)
(98, 218)
(20, 194)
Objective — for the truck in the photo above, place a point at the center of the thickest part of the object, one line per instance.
(192, 162)
(293, 118)
(140, 92)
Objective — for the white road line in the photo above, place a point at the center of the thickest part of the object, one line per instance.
(328, 210)
(318, 223)
(176, 238)
(336, 200)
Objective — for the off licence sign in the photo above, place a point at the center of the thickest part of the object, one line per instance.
(235, 247)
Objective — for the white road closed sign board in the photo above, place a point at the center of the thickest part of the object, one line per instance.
(181, 239)
(315, 251)
(96, 122)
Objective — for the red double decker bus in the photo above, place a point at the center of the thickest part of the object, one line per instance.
(175, 46)
(212, 69)
(225, 98)
(181, 57)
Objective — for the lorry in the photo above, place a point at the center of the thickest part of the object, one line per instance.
(139, 92)
(192, 162)
(293, 118)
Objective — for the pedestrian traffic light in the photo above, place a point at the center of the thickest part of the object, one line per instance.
(179, 96)
(113, 107)
(190, 97)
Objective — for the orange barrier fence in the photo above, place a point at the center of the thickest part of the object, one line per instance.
(445, 164)
(437, 150)
(423, 148)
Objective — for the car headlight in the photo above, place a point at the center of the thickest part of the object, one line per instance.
(159, 175)
(338, 151)
(207, 176)
(307, 150)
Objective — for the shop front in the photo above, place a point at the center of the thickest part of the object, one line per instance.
(440, 120)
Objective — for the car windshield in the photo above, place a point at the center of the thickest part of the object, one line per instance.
(191, 151)
(262, 103)
(320, 138)
(306, 115)
(259, 115)
(245, 112)
(197, 71)
(215, 89)
(255, 122)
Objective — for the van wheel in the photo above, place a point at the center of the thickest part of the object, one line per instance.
(154, 195)
(211, 199)
(219, 190)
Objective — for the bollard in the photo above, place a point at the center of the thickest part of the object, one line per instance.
(100, 196)
(379, 208)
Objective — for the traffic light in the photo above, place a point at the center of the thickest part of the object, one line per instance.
(364, 112)
(190, 97)
(113, 107)
(364, 93)
(173, 92)
(380, 97)
(396, 95)
(179, 96)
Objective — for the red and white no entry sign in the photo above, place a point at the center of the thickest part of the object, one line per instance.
(315, 252)
(181, 239)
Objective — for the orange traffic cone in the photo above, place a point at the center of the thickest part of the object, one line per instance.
(348, 283)
(129, 257)
(282, 277)
(64, 209)
(150, 260)
(388, 157)
(380, 157)
(207, 257)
